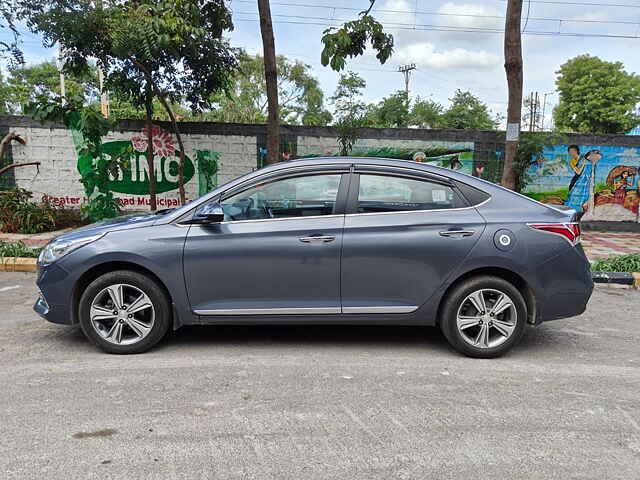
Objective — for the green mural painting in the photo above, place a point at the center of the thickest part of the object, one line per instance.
(132, 174)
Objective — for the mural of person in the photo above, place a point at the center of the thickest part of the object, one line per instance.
(621, 186)
(575, 163)
(455, 163)
(581, 191)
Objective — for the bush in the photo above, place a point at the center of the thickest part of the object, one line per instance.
(18, 214)
(620, 263)
(18, 249)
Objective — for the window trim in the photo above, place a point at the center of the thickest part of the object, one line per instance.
(354, 191)
(341, 196)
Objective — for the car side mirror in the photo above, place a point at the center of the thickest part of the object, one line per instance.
(208, 213)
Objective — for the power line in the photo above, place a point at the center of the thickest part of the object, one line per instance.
(470, 15)
(438, 28)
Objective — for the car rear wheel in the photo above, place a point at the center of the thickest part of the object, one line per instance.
(483, 317)
(124, 312)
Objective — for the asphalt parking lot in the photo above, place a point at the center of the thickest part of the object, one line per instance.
(321, 402)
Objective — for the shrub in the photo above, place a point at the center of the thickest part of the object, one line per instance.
(18, 249)
(619, 263)
(18, 214)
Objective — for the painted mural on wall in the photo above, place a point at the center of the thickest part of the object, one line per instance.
(132, 178)
(600, 183)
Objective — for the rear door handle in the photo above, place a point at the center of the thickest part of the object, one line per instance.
(317, 239)
(460, 233)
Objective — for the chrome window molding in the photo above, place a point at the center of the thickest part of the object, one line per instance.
(436, 210)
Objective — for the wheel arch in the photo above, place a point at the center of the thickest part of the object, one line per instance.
(509, 275)
(111, 266)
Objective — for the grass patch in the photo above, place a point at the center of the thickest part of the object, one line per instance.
(620, 263)
(18, 249)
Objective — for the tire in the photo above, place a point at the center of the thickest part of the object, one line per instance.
(489, 333)
(141, 321)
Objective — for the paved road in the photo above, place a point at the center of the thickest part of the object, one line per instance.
(321, 402)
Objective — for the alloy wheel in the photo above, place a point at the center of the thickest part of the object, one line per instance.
(486, 318)
(122, 314)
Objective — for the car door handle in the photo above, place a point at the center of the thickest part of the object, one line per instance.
(454, 233)
(317, 239)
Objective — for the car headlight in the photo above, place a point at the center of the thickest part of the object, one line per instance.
(57, 249)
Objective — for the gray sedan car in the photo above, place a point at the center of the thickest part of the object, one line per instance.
(325, 241)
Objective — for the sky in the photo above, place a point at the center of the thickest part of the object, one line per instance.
(454, 44)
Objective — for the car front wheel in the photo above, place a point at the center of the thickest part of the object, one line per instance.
(124, 312)
(483, 317)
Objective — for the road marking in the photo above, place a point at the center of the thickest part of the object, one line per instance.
(5, 289)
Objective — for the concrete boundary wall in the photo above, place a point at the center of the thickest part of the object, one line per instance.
(218, 152)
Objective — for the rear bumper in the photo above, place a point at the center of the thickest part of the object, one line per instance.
(567, 285)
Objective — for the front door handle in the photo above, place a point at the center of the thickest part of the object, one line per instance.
(317, 239)
(454, 233)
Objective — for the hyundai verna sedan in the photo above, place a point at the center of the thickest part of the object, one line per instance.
(325, 241)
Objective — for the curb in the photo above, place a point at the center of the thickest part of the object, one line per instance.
(619, 278)
(18, 264)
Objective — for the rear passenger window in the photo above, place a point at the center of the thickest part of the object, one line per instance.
(381, 193)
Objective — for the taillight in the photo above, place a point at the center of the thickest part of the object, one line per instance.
(570, 231)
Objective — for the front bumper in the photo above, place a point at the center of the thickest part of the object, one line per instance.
(54, 300)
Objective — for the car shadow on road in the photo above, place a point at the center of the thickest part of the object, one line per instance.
(312, 335)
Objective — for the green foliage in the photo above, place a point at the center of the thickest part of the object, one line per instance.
(350, 110)
(620, 263)
(530, 148)
(19, 214)
(41, 81)
(18, 250)
(90, 126)
(9, 49)
(391, 112)
(352, 38)
(426, 114)
(468, 112)
(596, 96)
(300, 98)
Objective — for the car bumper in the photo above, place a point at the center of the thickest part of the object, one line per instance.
(54, 299)
(568, 285)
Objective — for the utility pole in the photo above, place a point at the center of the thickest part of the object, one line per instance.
(406, 70)
(63, 91)
(513, 69)
(104, 95)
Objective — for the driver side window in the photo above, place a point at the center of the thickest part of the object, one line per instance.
(306, 196)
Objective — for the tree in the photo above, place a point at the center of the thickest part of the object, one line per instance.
(391, 112)
(352, 38)
(426, 113)
(148, 49)
(301, 100)
(468, 112)
(350, 110)
(8, 21)
(25, 84)
(596, 96)
(513, 69)
(271, 80)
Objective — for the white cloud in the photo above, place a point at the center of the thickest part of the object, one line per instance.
(600, 16)
(466, 15)
(424, 54)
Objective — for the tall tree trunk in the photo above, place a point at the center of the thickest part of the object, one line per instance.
(271, 79)
(176, 130)
(148, 108)
(513, 68)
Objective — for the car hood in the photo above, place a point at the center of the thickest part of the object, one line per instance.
(119, 223)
